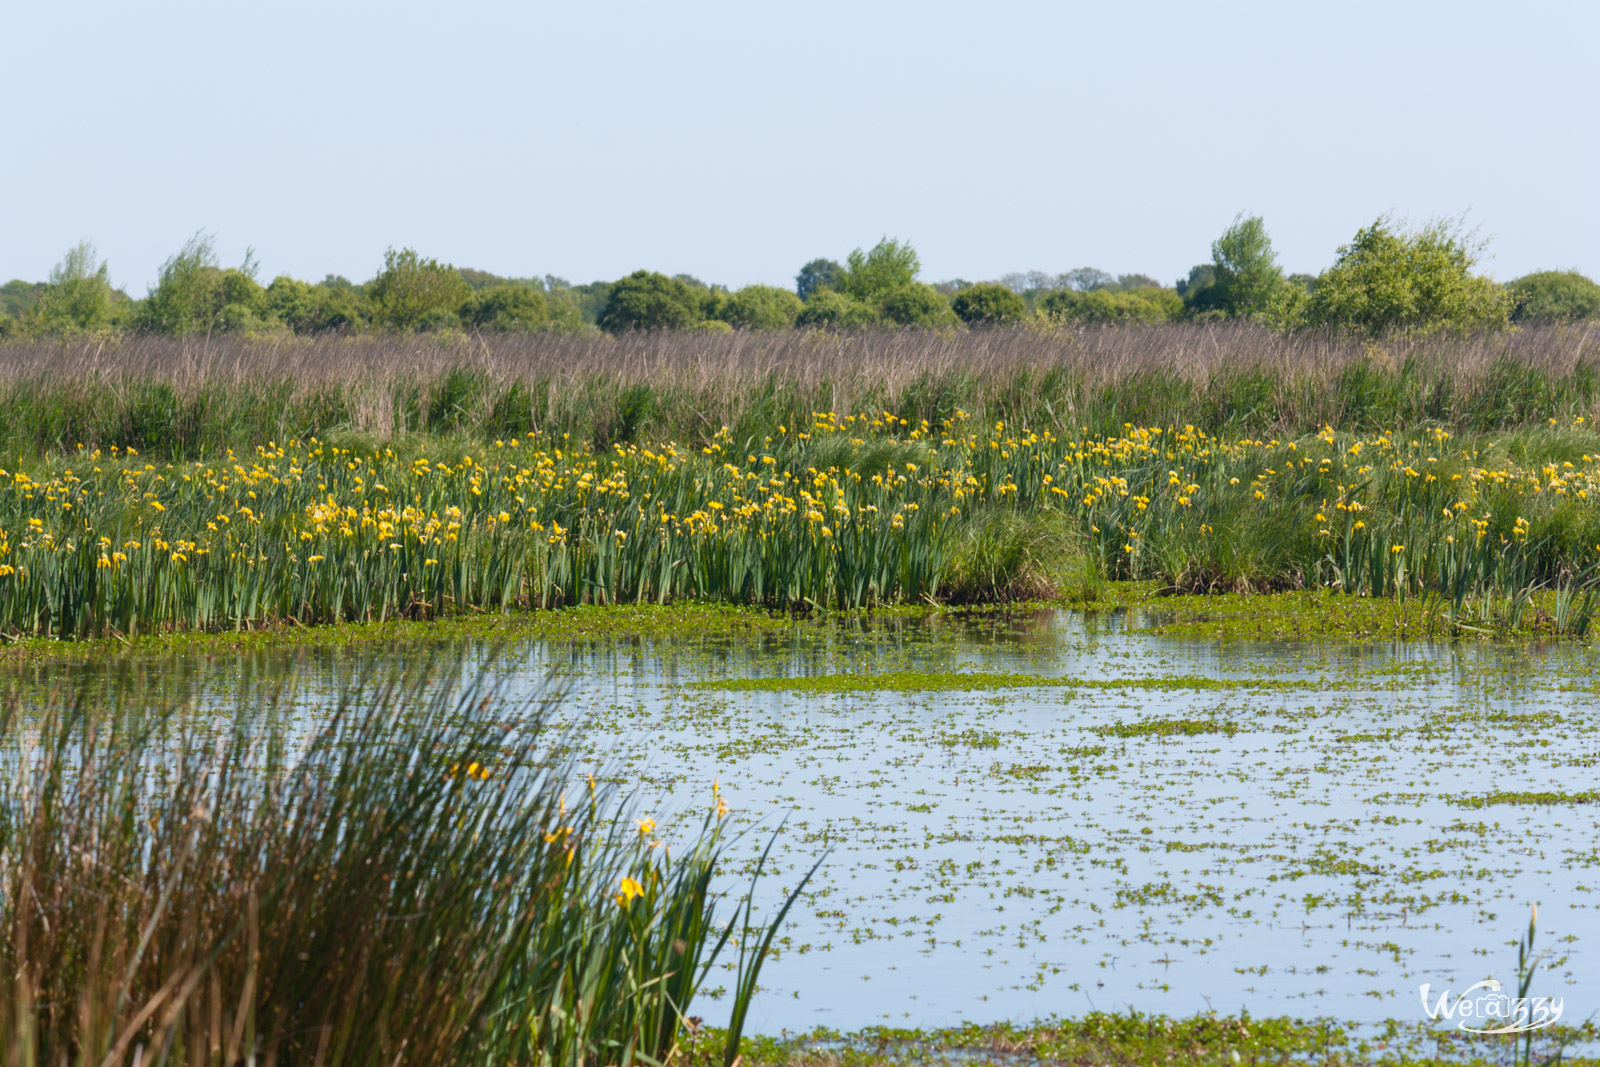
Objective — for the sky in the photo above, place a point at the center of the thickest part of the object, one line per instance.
(735, 140)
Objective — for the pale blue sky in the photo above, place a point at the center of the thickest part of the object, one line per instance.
(735, 141)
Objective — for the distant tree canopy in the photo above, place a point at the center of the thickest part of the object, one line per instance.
(79, 295)
(1388, 278)
(869, 276)
(1419, 281)
(817, 275)
(761, 307)
(832, 310)
(413, 293)
(1554, 296)
(1105, 307)
(649, 300)
(988, 304)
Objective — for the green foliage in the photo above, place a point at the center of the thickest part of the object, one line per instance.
(1246, 279)
(506, 308)
(870, 276)
(649, 300)
(1555, 296)
(18, 297)
(988, 304)
(305, 308)
(761, 307)
(1419, 282)
(78, 298)
(413, 293)
(916, 304)
(828, 309)
(1102, 307)
(188, 293)
(816, 276)
(364, 891)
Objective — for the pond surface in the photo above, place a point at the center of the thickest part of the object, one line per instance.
(1299, 829)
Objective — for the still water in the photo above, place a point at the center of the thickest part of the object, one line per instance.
(1319, 832)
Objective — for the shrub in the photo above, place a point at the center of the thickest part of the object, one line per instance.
(1554, 296)
(1420, 282)
(761, 307)
(649, 300)
(831, 310)
(916, 304)
(1101, 307)
(413, 293)
(988, 304)
(506, 309)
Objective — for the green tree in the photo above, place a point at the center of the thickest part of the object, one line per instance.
(869, 276)
(1419, 281)
(18, 297)
(649, 300)
(1554, 296)
(816, 276)
(761, 307)
(506, 308)
(413, 293)
(916, 304)
(828, 309)
(988, 304)
(1247, 280)
(188, 292)
(79, 294)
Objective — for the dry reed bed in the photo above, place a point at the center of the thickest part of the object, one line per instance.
(204, 394)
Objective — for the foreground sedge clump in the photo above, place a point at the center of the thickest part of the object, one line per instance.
(177, 891)
(849, 510)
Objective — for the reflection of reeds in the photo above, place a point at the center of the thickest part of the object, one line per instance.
(406, 883)
(190, 397)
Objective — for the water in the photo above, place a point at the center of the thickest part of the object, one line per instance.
(1013, 853)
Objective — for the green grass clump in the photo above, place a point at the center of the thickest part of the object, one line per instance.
(413, 880)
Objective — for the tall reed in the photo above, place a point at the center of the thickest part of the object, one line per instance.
(192, 398)
(411, 880)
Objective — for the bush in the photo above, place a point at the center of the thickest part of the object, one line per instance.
(1105, 308)
(988, 304)
(761, 307)
(916, 304)
(1420, 282)
(413, 293)
(1554, 296)
(649, 300)
(506, 309)
(831, 310)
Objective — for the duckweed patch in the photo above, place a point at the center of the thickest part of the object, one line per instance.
(954, 681)
(1523, 796)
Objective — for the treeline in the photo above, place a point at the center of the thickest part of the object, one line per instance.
(1390, 277)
